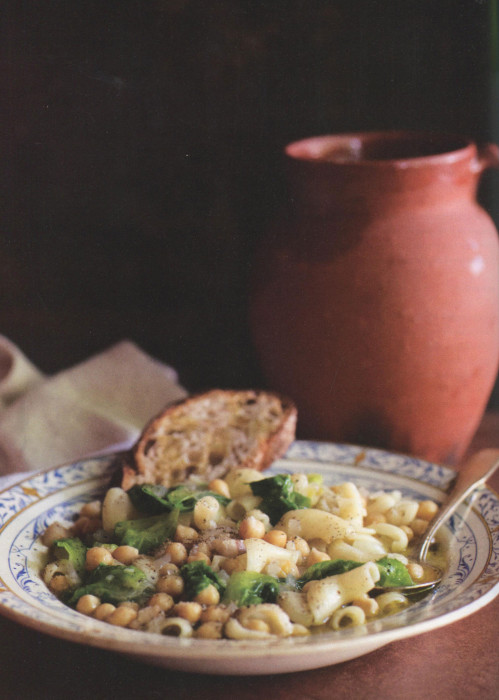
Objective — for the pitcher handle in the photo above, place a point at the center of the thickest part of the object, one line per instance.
(487, 157)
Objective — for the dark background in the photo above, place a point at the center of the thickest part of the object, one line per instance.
(141, 153)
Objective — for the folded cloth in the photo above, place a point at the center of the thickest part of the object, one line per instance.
(97, 406)
(17, 374)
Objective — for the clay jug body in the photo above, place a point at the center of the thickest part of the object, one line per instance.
(375, 299)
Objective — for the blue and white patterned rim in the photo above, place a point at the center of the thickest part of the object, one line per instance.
(28, 507)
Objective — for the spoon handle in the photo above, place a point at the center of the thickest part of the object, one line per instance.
(474, 472)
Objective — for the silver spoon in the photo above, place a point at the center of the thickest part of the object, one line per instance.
(473, 473)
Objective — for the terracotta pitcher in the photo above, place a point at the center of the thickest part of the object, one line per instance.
(375, 299)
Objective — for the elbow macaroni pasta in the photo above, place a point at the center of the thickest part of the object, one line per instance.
(349, 616)
(326, 596)
(313, 523)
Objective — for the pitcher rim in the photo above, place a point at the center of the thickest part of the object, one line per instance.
(448, 148)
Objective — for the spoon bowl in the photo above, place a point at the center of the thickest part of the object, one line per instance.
(473, 473)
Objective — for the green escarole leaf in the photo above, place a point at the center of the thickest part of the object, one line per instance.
(110, 546)
(71, 548)
(154, 499)
(392, 572)
(197, 575)
(251, 588)
(323, 569)
(114, 584)
(223, 500)
(150, 498)
(147, 534)
(278, 496)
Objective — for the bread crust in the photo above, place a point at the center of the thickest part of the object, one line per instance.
(209, 434)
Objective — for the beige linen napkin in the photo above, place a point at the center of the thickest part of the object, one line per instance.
(96, 406)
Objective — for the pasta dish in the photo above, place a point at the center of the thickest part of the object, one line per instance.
(244, 557)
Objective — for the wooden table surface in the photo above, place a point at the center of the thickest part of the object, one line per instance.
(457, 661)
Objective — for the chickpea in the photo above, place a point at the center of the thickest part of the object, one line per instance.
(316, 556)
(208, 596)
(87, 604)
(54, 532)
(173, 585)
(240, 562)
(177, 552)
(164, 601)
(59, 583)
(183, 533)
(82, 526)
(251, 527)
(209, 630)
(92, 510)
(276, 537)
(215, 613)
(418, 526)
(426, 510)
(299, 544)
(229, 565)
(201, 547)
(416, 571)
(103, 611)
(122, 616)
(189, 610)
(168, 569)
(198, 556)
(125, 554)
(86, 526)
(219, 486)
(96, 556)
(229, 547)
(145, 615)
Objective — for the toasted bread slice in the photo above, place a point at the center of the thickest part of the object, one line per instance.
(210, 434)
